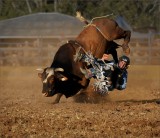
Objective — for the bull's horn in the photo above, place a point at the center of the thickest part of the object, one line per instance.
(40, 69)
(59, 69)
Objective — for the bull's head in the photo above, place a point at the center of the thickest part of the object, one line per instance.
(48, 77)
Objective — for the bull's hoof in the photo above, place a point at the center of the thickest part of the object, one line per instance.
(55, 102)
(126, 50)
(158, 101)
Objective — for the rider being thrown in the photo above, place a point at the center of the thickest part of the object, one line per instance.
(113, 74)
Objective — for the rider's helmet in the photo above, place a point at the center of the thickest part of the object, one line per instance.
(125, 59)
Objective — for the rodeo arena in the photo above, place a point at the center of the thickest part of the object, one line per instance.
(32, 107)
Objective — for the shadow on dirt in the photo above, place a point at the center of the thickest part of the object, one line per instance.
(91, 98)
(97, 98)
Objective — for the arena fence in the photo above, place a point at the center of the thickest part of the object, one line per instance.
(40, 51)
(145, 51)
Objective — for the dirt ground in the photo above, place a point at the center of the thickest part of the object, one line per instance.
(24, 112)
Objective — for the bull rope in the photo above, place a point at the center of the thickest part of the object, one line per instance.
(91, 24)
(78, 44)
(82, 19)
(101, 17)
(88, 54)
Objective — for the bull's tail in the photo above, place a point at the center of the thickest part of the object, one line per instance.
(81, 18)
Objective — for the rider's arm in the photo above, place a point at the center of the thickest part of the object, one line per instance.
(105, 57)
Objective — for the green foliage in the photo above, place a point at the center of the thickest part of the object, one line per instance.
(138, 13)
(67, 7)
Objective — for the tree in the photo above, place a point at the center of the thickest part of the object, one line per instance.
(139, 13)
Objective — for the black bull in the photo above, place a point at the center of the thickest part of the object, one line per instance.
(64, 77)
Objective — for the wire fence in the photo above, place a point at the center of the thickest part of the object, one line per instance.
(41, 51)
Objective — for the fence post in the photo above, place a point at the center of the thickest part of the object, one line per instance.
(149, 45)
(41, 59)
(39, 49)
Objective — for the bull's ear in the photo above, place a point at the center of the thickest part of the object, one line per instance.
(40, 75)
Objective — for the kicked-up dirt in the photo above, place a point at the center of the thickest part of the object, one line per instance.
(24, 112)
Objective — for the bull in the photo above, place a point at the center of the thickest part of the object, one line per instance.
(110, 30)
(64, 77)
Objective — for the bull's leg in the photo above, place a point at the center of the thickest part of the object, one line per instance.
(120, 33)
(59, 95)
(114, 55)
(85, 82)
(111, 47)
(127, 35)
